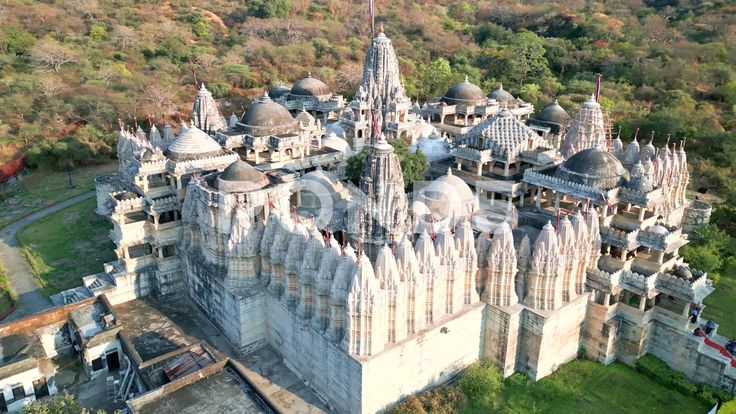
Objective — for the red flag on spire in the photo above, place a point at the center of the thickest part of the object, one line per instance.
(376, 128)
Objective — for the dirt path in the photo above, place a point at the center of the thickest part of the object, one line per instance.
(30, 298)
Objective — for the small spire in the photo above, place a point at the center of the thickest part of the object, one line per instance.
(449, 171)
(618, 135)
(500, 86)
(636, 134)
(309, 74)
(651, 139)
(466, 79)
(380, 27)
(203, 88)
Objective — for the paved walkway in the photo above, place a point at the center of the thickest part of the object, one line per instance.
(30, 298)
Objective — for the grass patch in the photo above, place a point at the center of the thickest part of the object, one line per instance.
(64, 246)
(8, 297)
(40, 189)
(720, 305)
(583, 386)
(580, 386)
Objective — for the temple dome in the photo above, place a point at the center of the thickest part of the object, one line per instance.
(335, 128)
(335, 142)
(554, 113)
(193, 143)
(241, 177)
(502, 96)
(265, 113)
(594, 167)
(463, 92)
(433, 147)
(278, 91)
(446, 198)
(310, 86)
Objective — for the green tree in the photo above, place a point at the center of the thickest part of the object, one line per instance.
(265, 9)
(437, 76)
(525, 57)
(413, 165)
(481, 381)
(66, 404)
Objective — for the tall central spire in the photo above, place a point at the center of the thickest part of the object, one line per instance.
(383, 217)
(381, 76)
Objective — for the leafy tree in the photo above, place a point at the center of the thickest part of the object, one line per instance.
(66, 404)
(413, 165)
(525, 57)
(265, 9)
(17, 41)
(481, 381)
(355, 165)
(437, 76)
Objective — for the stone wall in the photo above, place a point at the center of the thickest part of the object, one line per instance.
(424, 361)
(370, 384)
(502, 330)
(550, 339)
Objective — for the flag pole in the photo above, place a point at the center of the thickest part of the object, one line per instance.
(372, 14)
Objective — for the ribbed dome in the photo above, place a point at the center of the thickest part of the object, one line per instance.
(446, 197)
(193, 143)
(501, 96)
(554, 113)
(265, 113)
(310, 86)
(463, 92)
(278, 91)
(594, 167)
(241, 177)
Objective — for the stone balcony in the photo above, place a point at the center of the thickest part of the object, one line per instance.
(162, 204)
(667, 243)
(694, 290)
(619, 238)
(125, 202)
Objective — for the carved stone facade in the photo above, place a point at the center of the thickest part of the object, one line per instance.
(382, 93)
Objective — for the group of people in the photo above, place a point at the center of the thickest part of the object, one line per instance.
(710, 326)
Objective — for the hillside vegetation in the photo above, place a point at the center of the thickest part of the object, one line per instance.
(667, 64)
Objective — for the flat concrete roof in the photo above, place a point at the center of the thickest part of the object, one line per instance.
(223, 392)
(157, 328)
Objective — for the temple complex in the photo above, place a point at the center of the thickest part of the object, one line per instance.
(311, 95)
(522, 248)
(464, 106)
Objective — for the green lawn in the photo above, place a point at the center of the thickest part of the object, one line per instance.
(584, 386)
(64, 246)
(720, 306)
(40, 189)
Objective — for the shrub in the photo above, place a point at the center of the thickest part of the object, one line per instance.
(481, 381)
(659, 371)
(265, 9)
(439, 400)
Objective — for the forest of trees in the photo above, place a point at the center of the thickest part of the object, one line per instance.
(668, 65)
